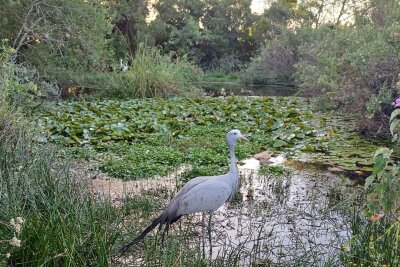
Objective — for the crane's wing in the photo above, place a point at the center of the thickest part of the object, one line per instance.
(174, 208)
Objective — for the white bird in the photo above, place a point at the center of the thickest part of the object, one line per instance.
(201, 194)
(123, 66)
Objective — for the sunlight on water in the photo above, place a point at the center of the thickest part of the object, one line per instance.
(282, 219)
(297, 218)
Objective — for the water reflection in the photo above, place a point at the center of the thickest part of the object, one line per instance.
(294, 220)
(283, 220)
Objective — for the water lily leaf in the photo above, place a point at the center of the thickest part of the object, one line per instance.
(307, 148)
(74, 137)
(278, 124)
(106, 138)
(279, 143)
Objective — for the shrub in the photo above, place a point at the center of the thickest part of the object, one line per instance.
(377, 241)
(156, 75)
(274, 64)
(16, 87)
(385, 179)
(355, 68)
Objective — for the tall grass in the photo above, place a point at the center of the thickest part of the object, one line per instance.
(372, 243)
(63, 225)
(156, 75)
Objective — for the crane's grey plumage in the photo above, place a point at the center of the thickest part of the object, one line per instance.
(201, 194)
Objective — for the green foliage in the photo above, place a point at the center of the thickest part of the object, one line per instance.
(376, 103)
(155, 75)
(135, 133)
(142, 160)
(281, 29)
(213, 34)
(57, 33)
(63, 225)
(129, 26)
(102, 121)
(372, 243)
(51, 38)
(385, 177)
(15, 88)
(395, 124)
(274, 64)
(385, 193)
(377, 241)
(353, 68)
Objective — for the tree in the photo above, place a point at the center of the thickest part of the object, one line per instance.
(57, 33)
(210, 32)
(129, 21)
(230, 23)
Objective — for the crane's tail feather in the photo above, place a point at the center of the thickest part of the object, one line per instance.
(137, 239)
(175, 219)
(159, 221)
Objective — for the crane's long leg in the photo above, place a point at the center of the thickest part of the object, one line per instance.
(209, 232)
(166, 229)
(203, 232)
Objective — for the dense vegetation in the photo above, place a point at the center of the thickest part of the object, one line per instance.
(348, 56)
(154, 58)
(166, 133)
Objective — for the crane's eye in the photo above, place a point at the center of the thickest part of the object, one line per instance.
(234, 133)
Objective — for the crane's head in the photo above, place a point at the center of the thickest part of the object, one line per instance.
(232, 137)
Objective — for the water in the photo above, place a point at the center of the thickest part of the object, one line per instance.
(297, 219)
(285, 220)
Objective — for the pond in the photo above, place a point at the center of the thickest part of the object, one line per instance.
(296, 219)
(300, 218)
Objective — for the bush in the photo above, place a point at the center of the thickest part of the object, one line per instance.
(274, 64)
(355, 68)
(377, 241)
(151, 74)
(16, 87)
(156, 75)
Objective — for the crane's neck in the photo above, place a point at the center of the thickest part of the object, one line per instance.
(233, 166)
(233, 174)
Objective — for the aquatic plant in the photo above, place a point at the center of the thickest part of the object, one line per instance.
(131, 135)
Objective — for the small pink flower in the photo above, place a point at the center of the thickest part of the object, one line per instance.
(18, 228)
(15, 242)
(20, 220)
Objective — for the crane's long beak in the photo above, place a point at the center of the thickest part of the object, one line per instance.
(244, 138)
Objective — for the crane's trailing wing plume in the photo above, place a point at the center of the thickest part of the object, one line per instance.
(201, 194)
